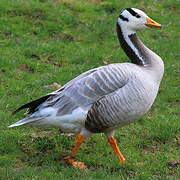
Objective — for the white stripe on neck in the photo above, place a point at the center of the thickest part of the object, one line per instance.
(126, 32)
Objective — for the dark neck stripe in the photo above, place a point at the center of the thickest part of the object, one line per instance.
(129, 51)
(132, 12)
(123, 18)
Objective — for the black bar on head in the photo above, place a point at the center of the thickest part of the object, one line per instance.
(132, 12)
(123, 18)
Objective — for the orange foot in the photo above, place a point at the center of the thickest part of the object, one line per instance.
(76, 164)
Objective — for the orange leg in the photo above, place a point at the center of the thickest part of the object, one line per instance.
(113, 143)
(70, 159)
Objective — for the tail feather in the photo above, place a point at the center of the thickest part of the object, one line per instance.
(25, 121)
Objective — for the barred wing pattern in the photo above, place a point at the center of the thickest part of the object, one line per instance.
(87, 88)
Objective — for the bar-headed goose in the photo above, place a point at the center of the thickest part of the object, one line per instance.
(105, 98)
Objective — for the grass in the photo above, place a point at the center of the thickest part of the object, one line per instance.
(47, 41)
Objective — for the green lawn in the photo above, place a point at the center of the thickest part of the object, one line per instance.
(47, 41)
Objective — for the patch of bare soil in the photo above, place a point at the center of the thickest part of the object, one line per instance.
(25, 68)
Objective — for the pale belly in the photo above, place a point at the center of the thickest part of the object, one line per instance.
(73, 122)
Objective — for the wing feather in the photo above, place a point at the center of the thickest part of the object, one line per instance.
(82, 91)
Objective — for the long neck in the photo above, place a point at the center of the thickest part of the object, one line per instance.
(133, 47)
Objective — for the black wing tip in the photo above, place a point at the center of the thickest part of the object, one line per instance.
(31, 106)
(19, 109)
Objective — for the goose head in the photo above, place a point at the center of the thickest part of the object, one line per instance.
(133, 19)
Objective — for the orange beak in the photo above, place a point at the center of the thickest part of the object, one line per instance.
(151, 23)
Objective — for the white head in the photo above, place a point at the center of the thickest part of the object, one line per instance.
(133, 19)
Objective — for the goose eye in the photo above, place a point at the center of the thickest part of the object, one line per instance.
(138, 16)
